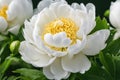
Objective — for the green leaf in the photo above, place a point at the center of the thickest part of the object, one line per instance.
(100, 24)
(72, 77)
(31, 74)
(3, 37)
(108, 63)
(117, 64)
(5, 65)
(12, 78)
(3, 48)
(113, 47)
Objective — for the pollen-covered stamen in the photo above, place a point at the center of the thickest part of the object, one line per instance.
(3, 11)
(62, 25)
(56, 27)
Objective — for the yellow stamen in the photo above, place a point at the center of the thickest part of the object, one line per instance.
(58, 49)
(3, 12)
(62, 25)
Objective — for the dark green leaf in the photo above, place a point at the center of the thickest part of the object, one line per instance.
(108, 63)
(100, 24)
(113, 47)
(32, 74)
(3, 48)
(117, 65)
(72, 77)
(12, 78)
(5, 65)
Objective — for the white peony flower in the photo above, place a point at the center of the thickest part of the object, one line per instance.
(13, 14)
(114, 17)
(57, 38)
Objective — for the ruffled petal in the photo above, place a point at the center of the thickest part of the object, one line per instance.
(59, 7)
(44, 17)
(48, 73)
(32, 55)
(115, 13)
(3, 24)
(5, 2)
(76, 48)
(84, 16)
(55, 71)
(96, 42)
(57, 40)
(77, 63)
(43, 4)
(29, 27)
(81, 7)
(15, 29)
(18, 11)
(46, 3)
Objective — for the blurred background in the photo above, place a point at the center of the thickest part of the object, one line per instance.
(101, 5)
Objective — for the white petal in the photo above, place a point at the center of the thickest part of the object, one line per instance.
(5, 2)
(96, 42)
(57, 40)
(81, 20)
(76, 48)
(66, 42)
(91, 10)
(115, 13)
(79, 6)
(44, 17)
(18, 11)
(117, 34)
(55, 53)
(75, 5)
(61, 40)
(57, 70)
(48, 38)
(43, 47)
(47, 72)
(28, 30)
(84, 16)
(44, 3)
(91, 17)
(86, 22)
(29, 27)
(14, 29)
(59, 7)
(77, 63)
(3, 24)
(73, 49)
(32, 55)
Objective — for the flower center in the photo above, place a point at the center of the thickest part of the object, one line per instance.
(62, 25)
(3, 12)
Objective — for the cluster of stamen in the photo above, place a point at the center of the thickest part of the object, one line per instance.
(3, 12)
(62, 25)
